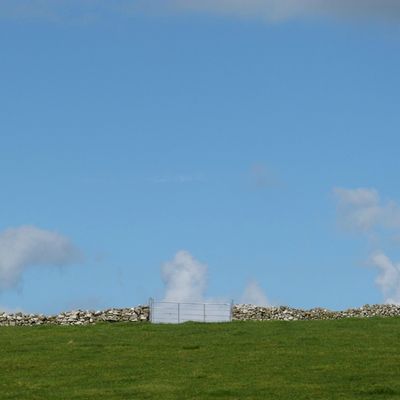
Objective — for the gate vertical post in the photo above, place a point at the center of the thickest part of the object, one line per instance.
(204, 312)
(151, 306)
(179, 313)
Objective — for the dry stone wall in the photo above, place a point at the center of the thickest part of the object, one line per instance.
(240, 312)
(246, 312)
(78, 317)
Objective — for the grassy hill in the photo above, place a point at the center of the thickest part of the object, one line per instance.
(346, 359)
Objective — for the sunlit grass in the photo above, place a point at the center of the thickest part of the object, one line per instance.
(346, 359)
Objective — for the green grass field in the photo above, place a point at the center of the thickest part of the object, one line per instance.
(346, 359)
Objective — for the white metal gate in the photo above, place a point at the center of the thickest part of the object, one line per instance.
(176, 313)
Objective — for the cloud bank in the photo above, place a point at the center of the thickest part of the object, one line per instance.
(267, 10)
(362, 210)
(27, 246)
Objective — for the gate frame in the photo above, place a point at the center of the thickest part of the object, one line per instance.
(153, 301)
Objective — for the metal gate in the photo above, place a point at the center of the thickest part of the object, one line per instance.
(176, 313)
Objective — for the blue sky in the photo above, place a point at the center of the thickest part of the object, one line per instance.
(224, 132)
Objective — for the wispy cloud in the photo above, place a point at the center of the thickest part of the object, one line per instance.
(26, 246)
(267, 10)
(278, 10)
(262, 177)
(178, 179)
(362, 210)
(254, 294)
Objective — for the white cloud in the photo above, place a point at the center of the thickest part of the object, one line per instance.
(185, 278)
(26, 246)
(269, 10)
(362, 210)
(253, 294)
(388, 279)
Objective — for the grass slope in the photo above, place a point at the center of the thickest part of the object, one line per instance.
(346, 359)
